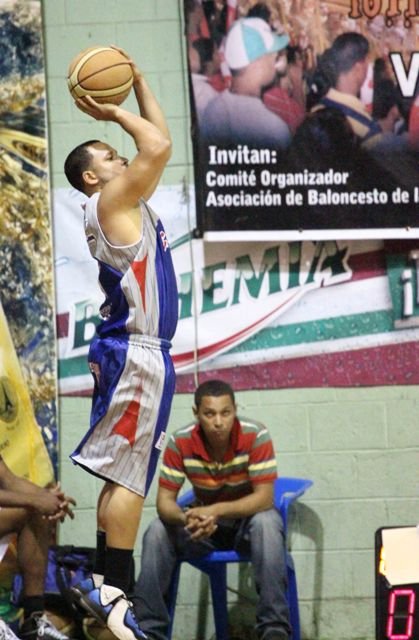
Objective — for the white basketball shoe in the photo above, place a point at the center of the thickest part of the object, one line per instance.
(85, 586)
(111, 606)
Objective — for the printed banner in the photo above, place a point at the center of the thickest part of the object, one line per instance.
(26, 275)
(305, 118)
(259, 314)
(21, 442)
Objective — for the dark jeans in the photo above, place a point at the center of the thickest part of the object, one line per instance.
(164, 545)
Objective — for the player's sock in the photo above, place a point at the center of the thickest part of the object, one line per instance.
(118, 568)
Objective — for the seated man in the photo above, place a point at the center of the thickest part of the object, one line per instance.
(345, 65)
(232, 467)
(238, 115)
(29, 511)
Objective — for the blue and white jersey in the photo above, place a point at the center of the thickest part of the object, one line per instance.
(138, 280)
(134, 378)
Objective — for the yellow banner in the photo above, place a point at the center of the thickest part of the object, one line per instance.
(21, 442)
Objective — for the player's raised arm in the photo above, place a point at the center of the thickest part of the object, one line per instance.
(129, 181)
(147, 102)
(149, 109)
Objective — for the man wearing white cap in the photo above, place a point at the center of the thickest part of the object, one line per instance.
(238, 115)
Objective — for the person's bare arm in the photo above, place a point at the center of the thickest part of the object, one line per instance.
(19, 492)
(167, 507)
(121, 194)
(199, 526)
(11, 483)
(260, 499)
(148, 104)
(151, 110)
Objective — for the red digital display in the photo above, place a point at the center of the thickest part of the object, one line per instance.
(397, 608)
(401, 609)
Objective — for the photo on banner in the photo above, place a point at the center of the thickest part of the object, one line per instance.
(305, 118)
(27, 288)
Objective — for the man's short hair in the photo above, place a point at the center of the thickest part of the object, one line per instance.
(259, 10)
(214, 388)
(386, 96)
(348, 49)
(76, 163)
(205, 49)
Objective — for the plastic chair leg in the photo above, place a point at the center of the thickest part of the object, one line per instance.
(292, 597)
(218, 582)
(172, 600)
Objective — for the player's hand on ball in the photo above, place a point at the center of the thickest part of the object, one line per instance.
(136, 73)
(98, 111)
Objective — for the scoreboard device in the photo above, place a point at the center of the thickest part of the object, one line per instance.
(397, 602)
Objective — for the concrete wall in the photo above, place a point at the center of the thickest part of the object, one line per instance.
(360, 446)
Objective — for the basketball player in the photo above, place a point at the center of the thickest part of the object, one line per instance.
(129, 358)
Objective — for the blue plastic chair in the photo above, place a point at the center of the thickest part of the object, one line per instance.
(286, 491)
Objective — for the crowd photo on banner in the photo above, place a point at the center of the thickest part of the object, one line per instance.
(305, 114)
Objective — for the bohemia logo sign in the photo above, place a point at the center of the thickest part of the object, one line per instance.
(231, 295)
(407, 77)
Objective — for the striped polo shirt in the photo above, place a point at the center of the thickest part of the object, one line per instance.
(249, 460)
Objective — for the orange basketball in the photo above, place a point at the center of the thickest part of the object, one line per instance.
(102, 73)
